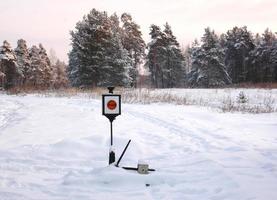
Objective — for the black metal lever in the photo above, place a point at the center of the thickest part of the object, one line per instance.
(122, 153)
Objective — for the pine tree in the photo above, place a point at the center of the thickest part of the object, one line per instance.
(74, 68)
(116, 67)
(45, 66)
(174, 69)
(156, 56)
(97, 57)
(207, 68)
(88, 46)
(239, 44)
(59, 74)
(8, 66)
(273, 60)
(165, 60)
(186, 54)
(263, 63)
(193, 73)
(36, 71)
(133, 43)
(23, 59)
(53, 57)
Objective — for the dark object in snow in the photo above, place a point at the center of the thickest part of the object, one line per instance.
(136, 169)
(111, 157)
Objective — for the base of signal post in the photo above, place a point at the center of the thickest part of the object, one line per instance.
(111, 156)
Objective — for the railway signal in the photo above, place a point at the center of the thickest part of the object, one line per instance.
(111, 108)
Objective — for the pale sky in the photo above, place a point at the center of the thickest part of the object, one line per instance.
(49, 21)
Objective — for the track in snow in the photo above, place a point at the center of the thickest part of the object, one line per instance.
(56, 148)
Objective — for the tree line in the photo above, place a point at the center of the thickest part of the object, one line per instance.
(30, 67)
(231, 58)
(215, 61)
(108, 50)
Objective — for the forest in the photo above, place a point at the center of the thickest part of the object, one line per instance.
(30, 67)
(110, 50)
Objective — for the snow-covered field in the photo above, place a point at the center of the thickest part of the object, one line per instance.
(57, 148)
(226, 100)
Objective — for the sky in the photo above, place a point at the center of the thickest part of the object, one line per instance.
(50, 21)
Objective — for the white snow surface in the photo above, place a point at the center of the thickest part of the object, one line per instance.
(56, 148)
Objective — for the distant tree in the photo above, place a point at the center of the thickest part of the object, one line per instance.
(268, 38)
(257, 39)
(132, 41)
(36, 71)
(207, 67)
(28, 67)
(263, 58)
(156, 56)
(74, 68)
(45, 66)
(59, 74)
(53, 56)
(165, 60)
(239, 44)
(186, 54)
(193, 72)
(23, 59)
(174, 66)
(8, 66)
(273, 60)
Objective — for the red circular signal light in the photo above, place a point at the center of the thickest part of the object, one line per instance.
(111, 104)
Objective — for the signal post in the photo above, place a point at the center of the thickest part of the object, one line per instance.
(111, 108)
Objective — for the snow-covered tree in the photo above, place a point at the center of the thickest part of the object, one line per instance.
(73, 69)
(59, 74)
(116, 68)
(174, 69)
(193, 72)
(186, 54)
(165, 60)
(88, 46)
(133, 43)
(45, 66)
(263, 59)
(8, 67)
(239, 44)
(207, 68)
(97, 57)
(156, 56)
(53, 56)
(23, 59)
(36, 70)
(26, 67)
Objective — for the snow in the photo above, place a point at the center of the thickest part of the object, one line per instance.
(214, 98)
(57, 148)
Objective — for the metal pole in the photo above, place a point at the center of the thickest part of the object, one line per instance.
(111, 154)
(111, 133)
